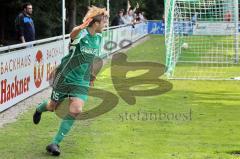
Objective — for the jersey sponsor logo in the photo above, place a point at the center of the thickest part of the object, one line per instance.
(88, 50)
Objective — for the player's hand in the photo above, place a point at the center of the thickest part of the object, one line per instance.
(92, 79)
(91, 83)
(86, 23)
(77, 29)
(137, 6)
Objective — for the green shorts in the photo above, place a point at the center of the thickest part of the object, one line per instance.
(58, 96)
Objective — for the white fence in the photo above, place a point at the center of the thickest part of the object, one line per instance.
(25, 70)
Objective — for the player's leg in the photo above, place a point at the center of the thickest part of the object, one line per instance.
(46, 105)
(43, 107)
(75, 108)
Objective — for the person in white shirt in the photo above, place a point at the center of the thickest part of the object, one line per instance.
(141, 16)
(128, 18)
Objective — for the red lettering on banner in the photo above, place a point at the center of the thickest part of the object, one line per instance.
(3, 91)
(12, 90)
(50, 69)
(54, 52)
(16, 86)
(8, 92)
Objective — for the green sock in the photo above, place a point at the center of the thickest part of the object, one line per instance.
(64, 128)
(42, 107)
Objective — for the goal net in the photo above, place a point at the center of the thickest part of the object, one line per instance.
(202, 39)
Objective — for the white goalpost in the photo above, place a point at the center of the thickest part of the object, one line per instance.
(202, 39)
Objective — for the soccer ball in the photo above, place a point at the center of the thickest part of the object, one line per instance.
(185, 45)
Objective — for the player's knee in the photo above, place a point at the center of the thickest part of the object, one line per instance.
(76, 106)
(75, 109)
(75, 112)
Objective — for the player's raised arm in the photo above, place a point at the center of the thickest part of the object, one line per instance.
(77, 29)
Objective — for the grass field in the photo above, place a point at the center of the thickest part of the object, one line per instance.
(207, 126)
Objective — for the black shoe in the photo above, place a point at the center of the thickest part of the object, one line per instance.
(36, 117)
(53, 149)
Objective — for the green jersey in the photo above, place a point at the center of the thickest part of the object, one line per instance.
(75, 68)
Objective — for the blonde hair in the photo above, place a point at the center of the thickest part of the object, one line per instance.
(94, 11)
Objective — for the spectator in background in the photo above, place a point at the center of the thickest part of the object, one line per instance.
(228, 16)
(24, 25)
(118, 20)
(142, 18)
(163, 18)
(124, 17)
(123, 10)
(137, 18)
(129, 17)
(194, 18)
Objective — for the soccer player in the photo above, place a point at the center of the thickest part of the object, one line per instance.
(73, 76)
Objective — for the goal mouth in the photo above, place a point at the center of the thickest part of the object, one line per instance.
(202, 40)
